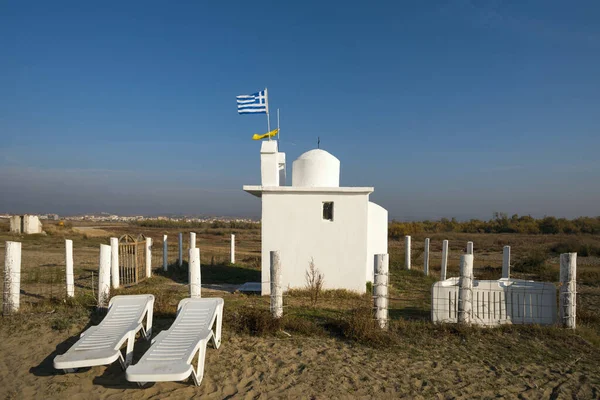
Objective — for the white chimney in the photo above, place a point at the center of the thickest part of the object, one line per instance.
(272, 164)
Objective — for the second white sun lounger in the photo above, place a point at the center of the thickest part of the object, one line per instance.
(172, 352)
(101, 344)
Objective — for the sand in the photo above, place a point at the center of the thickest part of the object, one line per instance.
(299, 367)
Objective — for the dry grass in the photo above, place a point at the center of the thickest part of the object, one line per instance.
(337, 313)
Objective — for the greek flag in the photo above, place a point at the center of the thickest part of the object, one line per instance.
(256, 103)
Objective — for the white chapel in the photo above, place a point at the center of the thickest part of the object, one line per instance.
(316, 219)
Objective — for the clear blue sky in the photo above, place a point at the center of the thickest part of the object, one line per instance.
(450, 108)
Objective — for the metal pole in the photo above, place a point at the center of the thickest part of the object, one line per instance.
(426, 258)
(268, 118)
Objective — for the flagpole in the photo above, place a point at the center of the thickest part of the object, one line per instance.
(268, 118)
(278, 129)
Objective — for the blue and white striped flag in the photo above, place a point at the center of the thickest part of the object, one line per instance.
(257, 103)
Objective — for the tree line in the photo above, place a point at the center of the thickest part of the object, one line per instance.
(500, 223)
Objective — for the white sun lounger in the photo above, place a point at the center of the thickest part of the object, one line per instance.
(101, 344)
(172, 352)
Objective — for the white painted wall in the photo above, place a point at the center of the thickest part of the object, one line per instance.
(293, 224)
(377, 236)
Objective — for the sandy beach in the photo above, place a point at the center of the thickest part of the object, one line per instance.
(308, 367)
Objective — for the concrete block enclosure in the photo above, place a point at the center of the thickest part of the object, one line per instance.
(315, 219)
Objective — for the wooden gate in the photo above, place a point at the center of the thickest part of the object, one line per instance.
(132, 259)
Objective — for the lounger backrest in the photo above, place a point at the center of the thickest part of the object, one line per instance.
(127, 309)
(194, 320)
(124, 314)
(196, 314)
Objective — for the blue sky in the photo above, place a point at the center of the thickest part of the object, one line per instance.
(449, 108)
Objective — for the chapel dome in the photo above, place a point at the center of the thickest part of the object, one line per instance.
(316, 168)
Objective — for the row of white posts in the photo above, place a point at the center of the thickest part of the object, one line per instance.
(567, 290)
(108, 270)
(192, 246)
(444, 264)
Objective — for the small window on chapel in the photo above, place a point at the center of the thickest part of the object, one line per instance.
(328, 210)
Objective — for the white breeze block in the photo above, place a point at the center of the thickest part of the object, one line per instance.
(505, 301)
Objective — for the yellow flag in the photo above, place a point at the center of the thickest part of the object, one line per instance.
(256, 136)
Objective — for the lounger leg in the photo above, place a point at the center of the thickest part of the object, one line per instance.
(219, 323)
(199, 373)
(128, 353)
(149, 313)
(69, 370)
(122, 361)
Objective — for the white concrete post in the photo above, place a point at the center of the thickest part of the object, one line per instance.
(148, 257)
(104, 276)
(506, 262)
(232, 256)
(165, 254)
(180, 261)
(192, 240)
(465, 289)
(444, 268)
(276, 289)
(69, 268)
(194, 274)
(380, 289)
(12, 277)
(568, 290)
(426, 258)
(114, 262)
(407, 252)
(469, 247)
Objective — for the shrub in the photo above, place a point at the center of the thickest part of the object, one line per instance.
(252, 321)
(360, 325)
(314, 282)
(533, 263)
(591, 278)
(576, 246)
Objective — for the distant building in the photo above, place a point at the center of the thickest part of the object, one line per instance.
(315, 219)
(27, 224)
